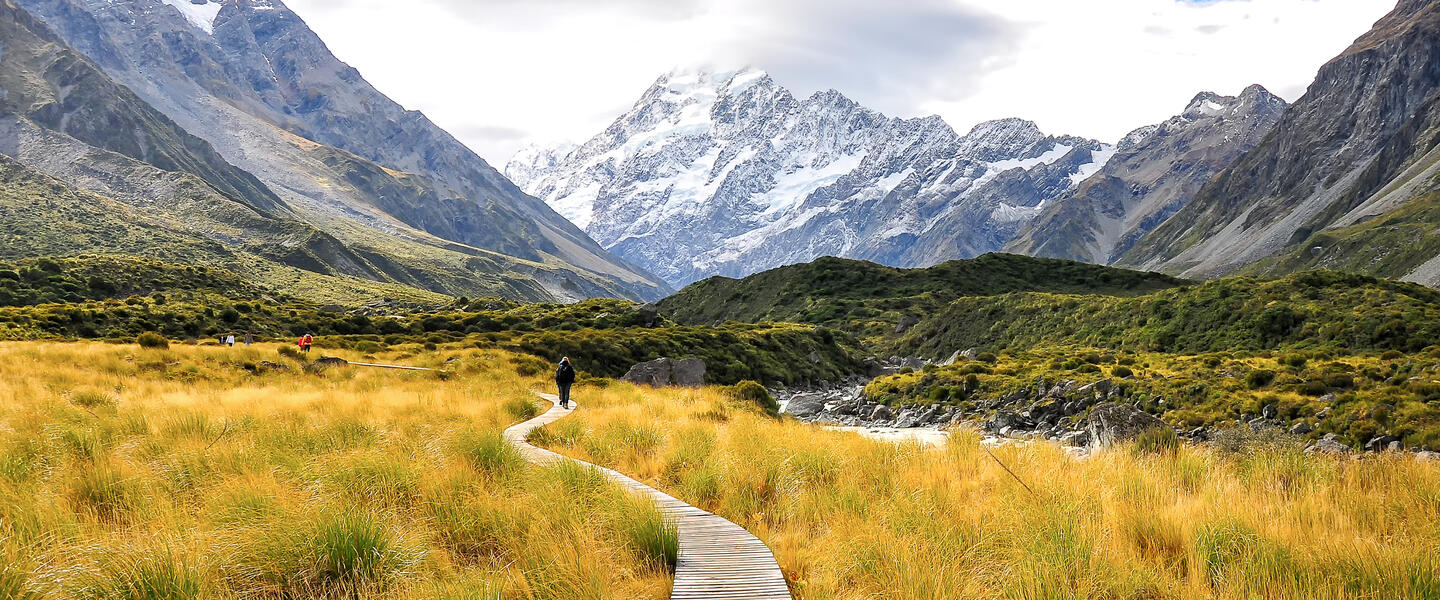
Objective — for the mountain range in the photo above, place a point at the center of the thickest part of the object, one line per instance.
(727, 173)
(716, 172)
(189, 111)
(224, 132)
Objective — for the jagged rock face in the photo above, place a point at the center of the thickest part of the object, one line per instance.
(1155, 172)
(1345, 178)
(728, 173)
(250, 78)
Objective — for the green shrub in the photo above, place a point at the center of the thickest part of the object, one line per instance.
(987, 357)
(1342, 381)
(1314, 387)
(1259, 378)
(1294, 361)
(1391, 355)
(972, 382)
(151, 339)
(1122, 372)
(754, 394)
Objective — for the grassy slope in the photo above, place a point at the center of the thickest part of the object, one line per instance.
(180, 474)
(853, 518)
(864, 297)
(604, 337)
(1317, 308)
(1391, 245)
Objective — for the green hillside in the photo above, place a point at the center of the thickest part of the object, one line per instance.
(870, 299)
(1311, 309)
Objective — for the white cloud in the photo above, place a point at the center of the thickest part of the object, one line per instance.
(501, 73)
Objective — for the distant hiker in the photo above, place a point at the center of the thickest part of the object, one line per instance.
(230, 340)
(305, 342)
(249, 339)
(564, 378)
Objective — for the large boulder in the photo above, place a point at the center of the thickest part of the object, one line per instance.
(1112, 423)
(649, 314)
(655, 373)
(663, 372)
(689, 372)
(806, 405)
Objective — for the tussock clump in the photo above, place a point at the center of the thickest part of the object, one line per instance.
(489, 453)
(522, 409)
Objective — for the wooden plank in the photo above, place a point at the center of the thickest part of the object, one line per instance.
(718, 559)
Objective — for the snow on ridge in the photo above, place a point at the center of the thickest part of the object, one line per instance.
(1098, 160)
(201, 15)
(791, 189)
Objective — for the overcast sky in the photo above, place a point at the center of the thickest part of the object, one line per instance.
(503, 73)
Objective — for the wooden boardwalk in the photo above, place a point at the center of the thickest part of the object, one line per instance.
(718, 559)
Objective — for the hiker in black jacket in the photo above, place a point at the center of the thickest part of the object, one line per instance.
(564, 378)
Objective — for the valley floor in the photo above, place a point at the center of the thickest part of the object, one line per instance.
(212, 472)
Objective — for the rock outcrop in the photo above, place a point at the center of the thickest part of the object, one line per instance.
(1112, 423)
(665, 372)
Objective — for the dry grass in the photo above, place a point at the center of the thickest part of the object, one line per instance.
(854, 518)
(143, 473)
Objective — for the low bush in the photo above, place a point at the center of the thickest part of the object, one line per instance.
(151, 339)
(752, 393)
(1259, 378)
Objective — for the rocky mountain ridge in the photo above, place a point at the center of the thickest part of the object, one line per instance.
(1346, 179)
(251, 80)
(1156, 171)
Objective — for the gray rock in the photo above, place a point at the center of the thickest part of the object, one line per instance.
(1394, 447)
(1075, 438)
(1324, 412)
(1328, 445)
(1301, 428)
(649, 314)
(266, 365)
(874, 368)
(906, 323)
(913, 363)
(1427, 456)
(881, 413)
(325, 363)
(1099, 389)
(1112, 423)
(654, 373)
(663, 372)
(1327, 398)
(1269, 411)
(805, 405)
(814, 357)
(689, 372)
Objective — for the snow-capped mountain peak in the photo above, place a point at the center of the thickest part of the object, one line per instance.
(726, 172)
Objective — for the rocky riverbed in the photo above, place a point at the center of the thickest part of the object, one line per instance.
(1065, 412)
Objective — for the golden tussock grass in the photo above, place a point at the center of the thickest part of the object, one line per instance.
(143, 473)
(855, 518)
